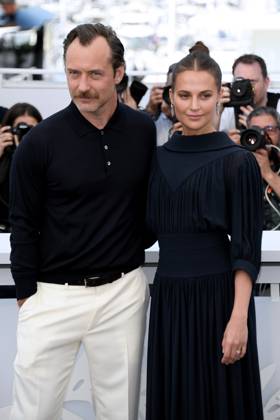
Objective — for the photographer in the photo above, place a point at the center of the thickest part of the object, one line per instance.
(253, 68)
(18, 120)
(267, 119)
(160, 109)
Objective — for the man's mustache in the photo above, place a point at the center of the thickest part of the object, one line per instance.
(85, 96)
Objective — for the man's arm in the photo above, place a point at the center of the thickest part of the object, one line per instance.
(26, 189)
(267, 173)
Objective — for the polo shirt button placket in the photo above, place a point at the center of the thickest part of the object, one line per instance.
(106, 148)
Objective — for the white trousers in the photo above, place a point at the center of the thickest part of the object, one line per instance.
(109, 320)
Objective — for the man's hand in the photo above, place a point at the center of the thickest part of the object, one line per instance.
(177, 126)
(245, 111)
(225, 97)
(264, 163)
(154, 100)
(234, 135)
(6, 138)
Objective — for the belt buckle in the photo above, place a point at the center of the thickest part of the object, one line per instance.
(87, 281)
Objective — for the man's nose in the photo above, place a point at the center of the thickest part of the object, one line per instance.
(83, 83)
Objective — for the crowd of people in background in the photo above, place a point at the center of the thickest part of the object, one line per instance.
(16, 122)
(262, 112)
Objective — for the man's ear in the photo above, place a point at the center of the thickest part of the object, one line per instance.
(119, 73)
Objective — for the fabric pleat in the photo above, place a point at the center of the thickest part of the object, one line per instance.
(195, 201)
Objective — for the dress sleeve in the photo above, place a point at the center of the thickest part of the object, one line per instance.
(246, 213)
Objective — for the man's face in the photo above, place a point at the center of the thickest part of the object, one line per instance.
(259, 83)
(268, 123)
(91, 78)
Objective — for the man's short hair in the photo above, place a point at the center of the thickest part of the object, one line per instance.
(264, 110)
(251, 59)
(87, 32)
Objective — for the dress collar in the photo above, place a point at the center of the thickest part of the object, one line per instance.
(216, 140)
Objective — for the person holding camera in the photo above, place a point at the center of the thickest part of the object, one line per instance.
(264, 124)
(251, 68)
(18, 120)
(159, 108)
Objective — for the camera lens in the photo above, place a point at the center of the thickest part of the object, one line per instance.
(253, 138)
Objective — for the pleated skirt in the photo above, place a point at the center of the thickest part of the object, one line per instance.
(185, 377)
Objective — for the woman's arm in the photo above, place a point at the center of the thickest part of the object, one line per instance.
(235, 338)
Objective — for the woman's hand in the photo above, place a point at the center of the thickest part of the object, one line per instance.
(235, 339)
(6, 138)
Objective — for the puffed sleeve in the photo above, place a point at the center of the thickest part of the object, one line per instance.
(245, 212)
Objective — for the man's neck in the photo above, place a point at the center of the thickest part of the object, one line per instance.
(100, 118)
(263, 102)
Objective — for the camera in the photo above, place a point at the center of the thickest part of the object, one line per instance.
(165, 94)
(21, 129)
(241, 93)
(254, 138)
(137, 88)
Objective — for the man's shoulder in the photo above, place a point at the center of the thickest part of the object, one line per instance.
(273, 99)
(57, 118)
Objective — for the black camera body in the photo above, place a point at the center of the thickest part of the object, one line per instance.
(254, 138)
(21, 129)
(165, 94)
(137, 88)
(241, 93)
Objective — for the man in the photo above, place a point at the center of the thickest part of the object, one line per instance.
(78, 191)
(252, 67)
(268, 119)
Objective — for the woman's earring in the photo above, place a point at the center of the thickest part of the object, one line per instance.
(218, 108)
(172, 110)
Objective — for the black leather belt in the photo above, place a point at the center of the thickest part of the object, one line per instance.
(94, 281)
(89, 280)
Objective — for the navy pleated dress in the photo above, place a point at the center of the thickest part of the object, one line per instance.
(202, 188)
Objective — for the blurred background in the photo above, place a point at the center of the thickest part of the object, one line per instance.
(155, 32)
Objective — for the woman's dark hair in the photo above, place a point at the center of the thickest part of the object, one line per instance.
(87, 32)
(19, 109)
(199, 46)
(198, 61)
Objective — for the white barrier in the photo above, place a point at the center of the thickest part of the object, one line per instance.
(78, 405)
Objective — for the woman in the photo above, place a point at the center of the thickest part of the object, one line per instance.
(202, 352)
(19, 119)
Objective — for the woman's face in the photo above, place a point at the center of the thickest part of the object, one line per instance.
(268, 123)
(195, 97)
(27, 119)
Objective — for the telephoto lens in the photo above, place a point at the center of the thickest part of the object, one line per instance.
(253, 138)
